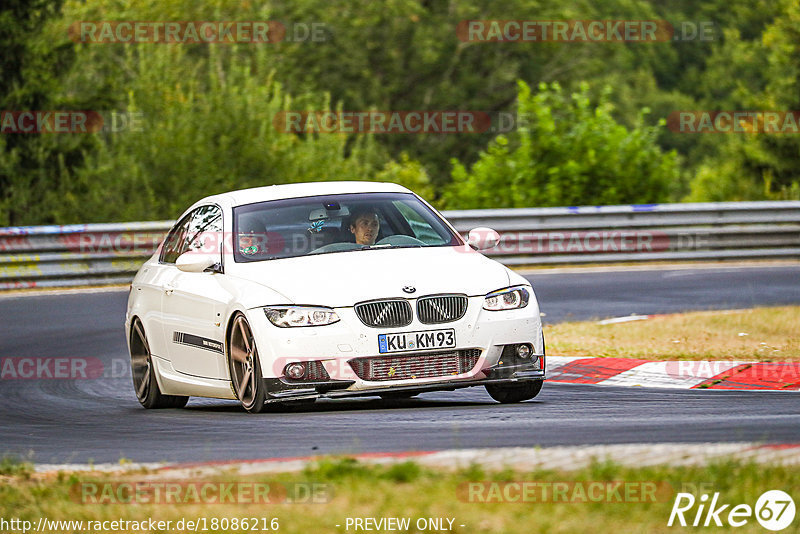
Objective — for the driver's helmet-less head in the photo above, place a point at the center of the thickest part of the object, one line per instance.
(365, 225)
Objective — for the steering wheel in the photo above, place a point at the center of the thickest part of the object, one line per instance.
(400, 240)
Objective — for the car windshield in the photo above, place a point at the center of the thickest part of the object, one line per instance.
(336, 224)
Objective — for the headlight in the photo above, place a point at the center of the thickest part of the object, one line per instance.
(286, 316)
(507, 299)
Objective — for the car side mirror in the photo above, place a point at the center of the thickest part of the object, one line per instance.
(483, 238)
(197, 262)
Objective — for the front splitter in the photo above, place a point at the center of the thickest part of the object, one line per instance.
(278, 391)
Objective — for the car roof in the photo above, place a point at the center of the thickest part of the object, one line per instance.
(308, 189)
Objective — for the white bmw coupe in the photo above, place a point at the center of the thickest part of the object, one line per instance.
(291, 293)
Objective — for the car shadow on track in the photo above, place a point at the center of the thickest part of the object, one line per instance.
(340, 405)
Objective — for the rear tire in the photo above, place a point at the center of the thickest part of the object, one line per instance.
(144, 375)
(515, 393)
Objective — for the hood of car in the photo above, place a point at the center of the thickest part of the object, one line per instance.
(345, 278)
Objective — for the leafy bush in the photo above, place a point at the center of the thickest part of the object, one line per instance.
(566, 152)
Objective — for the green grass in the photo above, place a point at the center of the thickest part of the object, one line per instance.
(759, 334)
(410, 490)
(15, 467)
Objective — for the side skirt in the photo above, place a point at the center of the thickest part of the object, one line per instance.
(173, 382)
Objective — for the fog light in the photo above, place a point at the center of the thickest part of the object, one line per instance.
(295, 371)
(523, 351)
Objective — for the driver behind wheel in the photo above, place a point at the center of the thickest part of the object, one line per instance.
(364, 225)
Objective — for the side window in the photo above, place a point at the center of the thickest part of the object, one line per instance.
(202, 228)
(172, 244)
(205, 230)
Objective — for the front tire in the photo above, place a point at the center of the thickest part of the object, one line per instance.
(245, 367)
(515, 393)
(144, 374)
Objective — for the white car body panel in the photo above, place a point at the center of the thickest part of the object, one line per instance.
(342, 279)
(175, 383)
(195, 303)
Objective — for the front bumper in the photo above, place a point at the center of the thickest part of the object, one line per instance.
(282, 390)
(335, 346)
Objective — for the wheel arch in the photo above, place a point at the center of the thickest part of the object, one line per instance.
(229, 327)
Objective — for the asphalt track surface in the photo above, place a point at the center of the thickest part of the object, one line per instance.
(66, 421)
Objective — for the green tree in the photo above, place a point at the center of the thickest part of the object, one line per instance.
(31, 69)
(753, 166)
(205, 127)
(208, 109)
(406, 55)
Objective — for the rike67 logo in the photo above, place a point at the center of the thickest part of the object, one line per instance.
(774, 510)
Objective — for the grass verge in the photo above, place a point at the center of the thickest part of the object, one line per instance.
(408, 490)
(759, 334)
(15, 467)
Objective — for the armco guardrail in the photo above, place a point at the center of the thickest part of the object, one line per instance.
(74, 255)
(649, 232)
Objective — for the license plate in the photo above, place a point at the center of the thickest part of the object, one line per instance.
(429, 339)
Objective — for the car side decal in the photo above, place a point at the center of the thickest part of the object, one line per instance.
(191, 340)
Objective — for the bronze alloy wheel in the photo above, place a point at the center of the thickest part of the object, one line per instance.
(144, 377)
(245, 367)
